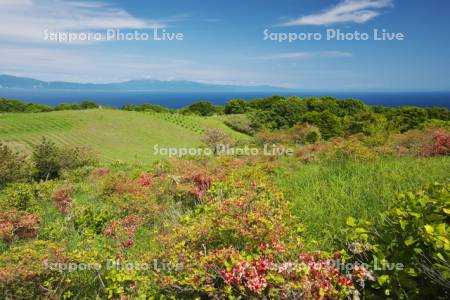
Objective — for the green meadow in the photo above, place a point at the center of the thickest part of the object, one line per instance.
(324, 195)
(115, 134)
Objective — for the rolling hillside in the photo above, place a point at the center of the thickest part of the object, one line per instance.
(115, 134)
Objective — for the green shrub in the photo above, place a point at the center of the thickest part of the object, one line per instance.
(13, 166)
(90, 219)
(329, 124)
(50, 160)
(267, 137)
(71, 158)
(407, 118)
(414, 234)
(19, 196)
(236, 106)
(202, 108)
(434, 123)
(306, 134)
(216, 138)
(46, 160)
(243, 243)
(240, 123)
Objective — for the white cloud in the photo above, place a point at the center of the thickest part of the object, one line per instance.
(26, 20)
(347, 11)
(305, 55)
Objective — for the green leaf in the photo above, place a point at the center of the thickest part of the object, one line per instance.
(411, 271)
(403, 224)
(429, 229)
(440, 256)
(383, 279)
(409, 241)
(447, 211)
(351, 222)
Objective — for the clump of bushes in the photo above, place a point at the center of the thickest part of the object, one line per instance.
(243, 243)
(14, 106)
(215, 139)
(50, 160)
(20, 196)
(202, 108)
(440, 144)
(240, 123)
(147, 107)
(14, 166)
(306, 134)
(18, 224)
(429, 142)
(236, 106)
(409, 249)
(61, 196)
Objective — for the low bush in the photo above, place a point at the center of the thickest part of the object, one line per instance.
(17, 224)
(50, 160)
(14, 166)
(240, 123)
(71, 158)
(90, 220)
(266, 137)
(306, 134)
(215, 139)
(236, 106)
(244, 243)
(61, 197)
(440, 144)
(202, 108)
(428, 142)
(20, 196)
(45, 159)
(409, 249)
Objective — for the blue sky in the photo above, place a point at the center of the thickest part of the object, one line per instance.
(224, 42)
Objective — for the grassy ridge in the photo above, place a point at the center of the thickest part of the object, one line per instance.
(115, 134)
(323, 196)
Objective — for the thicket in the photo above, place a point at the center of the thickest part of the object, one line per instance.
(334, 117)
(15, 106)
(47, 161)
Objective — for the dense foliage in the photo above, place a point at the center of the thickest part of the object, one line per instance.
(220, 227)
(409, 249)
(16, 106)
(202, 108)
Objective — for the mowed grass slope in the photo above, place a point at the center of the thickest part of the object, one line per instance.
(325, 195)
(115, 134)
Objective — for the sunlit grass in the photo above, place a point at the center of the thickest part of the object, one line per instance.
(324, 195)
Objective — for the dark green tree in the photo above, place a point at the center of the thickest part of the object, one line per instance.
(202, 108)
(236, 106)
(46, 160)
(329, 124)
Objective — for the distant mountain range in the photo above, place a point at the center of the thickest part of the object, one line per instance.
(148, 85)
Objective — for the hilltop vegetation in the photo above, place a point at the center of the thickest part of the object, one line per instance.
(114, 134)
(361, 209)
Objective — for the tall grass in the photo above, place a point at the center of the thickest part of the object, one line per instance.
(324, 195)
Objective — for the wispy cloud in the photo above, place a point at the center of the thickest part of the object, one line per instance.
(306, 55)
(26, 20)
(347, 11)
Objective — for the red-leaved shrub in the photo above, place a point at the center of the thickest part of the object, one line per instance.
(17, 224)
(61, 197)
(440, 144)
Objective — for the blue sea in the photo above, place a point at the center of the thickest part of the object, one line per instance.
(178, 100)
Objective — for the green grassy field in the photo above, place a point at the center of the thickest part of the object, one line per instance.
(115, 134)
(324, 195)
